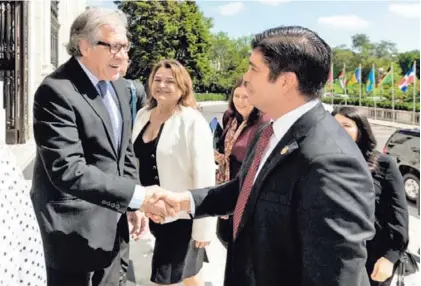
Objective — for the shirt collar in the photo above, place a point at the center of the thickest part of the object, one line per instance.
(90, 75)
(284, 123)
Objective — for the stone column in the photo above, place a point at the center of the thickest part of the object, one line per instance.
(68, 11)
(35, 57)
(47, 67)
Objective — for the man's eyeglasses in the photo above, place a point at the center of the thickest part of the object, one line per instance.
(115, 48)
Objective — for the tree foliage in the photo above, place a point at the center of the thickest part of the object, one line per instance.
(179, 30)
(167, 29)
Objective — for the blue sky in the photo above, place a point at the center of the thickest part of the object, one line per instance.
(335, 21)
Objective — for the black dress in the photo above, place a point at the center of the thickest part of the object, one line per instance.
(175, 256)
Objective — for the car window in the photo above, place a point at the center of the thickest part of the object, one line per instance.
(399, 138)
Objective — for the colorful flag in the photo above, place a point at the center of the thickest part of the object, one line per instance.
(356, 77)
(371, 81)
(330, 78)
(341, 78)
(387, 78)
(407, 80)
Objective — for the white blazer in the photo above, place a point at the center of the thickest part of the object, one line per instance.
(185, 159)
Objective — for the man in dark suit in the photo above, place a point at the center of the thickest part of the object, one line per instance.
(303, 202)
(85, 176)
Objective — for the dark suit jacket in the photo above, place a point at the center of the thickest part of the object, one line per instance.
(391, 215)
(309, 215)
(80, 181)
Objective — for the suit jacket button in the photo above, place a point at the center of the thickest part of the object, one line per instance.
(153, 156)
(117, 206)
(108, 203)
(113, 205)
(156, 177)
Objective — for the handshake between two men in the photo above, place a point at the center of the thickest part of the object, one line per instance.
(159, 203)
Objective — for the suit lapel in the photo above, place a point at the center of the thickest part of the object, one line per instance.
(283, 150)
(287, 146)
(85, 87)
(122, 96)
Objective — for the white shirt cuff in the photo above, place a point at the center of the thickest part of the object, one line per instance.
(192, 205)
(138, 197)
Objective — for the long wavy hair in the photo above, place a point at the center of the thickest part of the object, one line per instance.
(365, 138)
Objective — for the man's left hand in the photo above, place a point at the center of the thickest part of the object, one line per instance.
(383, 269)
(138, 224)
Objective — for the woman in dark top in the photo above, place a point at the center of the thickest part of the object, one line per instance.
(391, 211)
(173, 145)
(240, 123)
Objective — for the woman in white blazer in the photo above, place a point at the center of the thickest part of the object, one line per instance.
(173, 144)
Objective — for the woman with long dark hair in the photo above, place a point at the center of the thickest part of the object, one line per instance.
(391, 210)
(240, 123)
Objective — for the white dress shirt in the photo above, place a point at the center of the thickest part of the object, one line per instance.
(280, 128)
(139, 192)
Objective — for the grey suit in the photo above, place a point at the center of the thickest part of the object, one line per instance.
(81, 183)
(309, 214)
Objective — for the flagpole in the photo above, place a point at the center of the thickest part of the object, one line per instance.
(414, 95)
(360, 79)
(346, 102)
(333, 83)
(374, 92)
(393, 93)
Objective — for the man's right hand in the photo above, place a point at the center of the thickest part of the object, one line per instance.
(160, 203)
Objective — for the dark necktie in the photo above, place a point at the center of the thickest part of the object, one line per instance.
(113, 111)
(249, 180)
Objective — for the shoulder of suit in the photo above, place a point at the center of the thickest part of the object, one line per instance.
(328, 138)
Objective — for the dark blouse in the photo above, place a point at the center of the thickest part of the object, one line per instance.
(391, 212)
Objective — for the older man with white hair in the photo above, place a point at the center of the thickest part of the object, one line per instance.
(85, 176)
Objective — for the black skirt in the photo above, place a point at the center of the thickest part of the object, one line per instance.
(175, 255)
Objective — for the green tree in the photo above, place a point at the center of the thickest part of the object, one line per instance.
(407, 59)
(168, 29)
(229, 61)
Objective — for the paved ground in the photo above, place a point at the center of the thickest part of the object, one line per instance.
(214, 271)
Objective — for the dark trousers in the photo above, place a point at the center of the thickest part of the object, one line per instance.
(113, 275)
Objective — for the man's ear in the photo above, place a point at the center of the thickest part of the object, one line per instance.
(84, 47)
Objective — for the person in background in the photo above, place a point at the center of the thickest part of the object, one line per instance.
(136, 89)
(240, 123)
(174, 148)
(391, 209)
(22, 255)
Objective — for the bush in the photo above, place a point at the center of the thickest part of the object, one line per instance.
(387, 104)
(210, 97)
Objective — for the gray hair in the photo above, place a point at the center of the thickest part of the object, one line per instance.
(87, 26)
